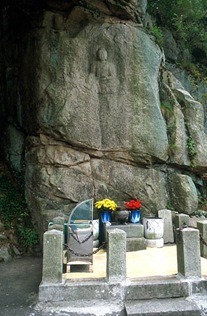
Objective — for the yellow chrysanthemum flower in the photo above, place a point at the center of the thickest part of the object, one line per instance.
(106, 204)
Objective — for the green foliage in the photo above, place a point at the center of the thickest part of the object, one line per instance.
(166, 109)
(169, 206)
(161, 8)
(171, 127)
(158, 34)
(199, 213)
(172, 148)
(196, 73)
(12, 203)
(186, 19)
(15, 214)
(180, 27)
(202, 203)
(191, 146)
(189, 10)
(28, 236)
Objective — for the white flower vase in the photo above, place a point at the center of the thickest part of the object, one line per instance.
(153, 227)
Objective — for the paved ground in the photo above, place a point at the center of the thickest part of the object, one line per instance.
(19, 282)
(19, 285)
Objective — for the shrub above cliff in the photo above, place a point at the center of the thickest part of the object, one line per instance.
(187, 21)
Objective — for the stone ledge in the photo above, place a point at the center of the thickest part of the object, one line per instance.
(157, 289)
(135, 244)
(131, 230)
(168, 307)
(83, 307)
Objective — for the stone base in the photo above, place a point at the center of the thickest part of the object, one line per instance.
(131, 230)
(135, 244)
(155, 243)
(135, 235)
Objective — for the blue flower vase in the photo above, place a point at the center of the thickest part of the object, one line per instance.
(135, 216)
(106, 216)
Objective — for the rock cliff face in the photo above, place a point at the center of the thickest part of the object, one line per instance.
(93, 112)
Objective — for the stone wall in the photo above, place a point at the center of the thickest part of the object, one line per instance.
(83, 102)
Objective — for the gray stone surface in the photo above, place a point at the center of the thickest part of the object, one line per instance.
(14, 141)
(19, 285)
(183, 193)
(181, 220)
(15, 250)
(84, 289)
(131, 230)
(58, 220)
(2, 228)
(170, 46)
(52, 257)
(134, 235)
(72, 121)
(90, 93)
(116, 255)
(100, 84)
(56, 227)
(187, 110)
(188, 252)
(155, 243)
(169, 287)
(199, 287)
(4, 253)
(202, 227)
(153, 227)
(3, 237)
(168, 225)
(162, 307)
(157, 288)
(135, 244)
(82, 308)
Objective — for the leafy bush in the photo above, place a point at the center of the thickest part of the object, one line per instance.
(28, 236)
(192, 150)
(158, 34)
(166, 10)
(187, 21)
(202, 204)
(12, 203)
(15, 214)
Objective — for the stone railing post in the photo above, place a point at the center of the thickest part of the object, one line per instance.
(52, 257)
(202, 226)
(188, 252)
(181, 220)
(116, 255)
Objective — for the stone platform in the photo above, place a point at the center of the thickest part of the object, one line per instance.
(134, 235)
(136, 297)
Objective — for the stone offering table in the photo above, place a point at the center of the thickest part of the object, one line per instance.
(134, 235)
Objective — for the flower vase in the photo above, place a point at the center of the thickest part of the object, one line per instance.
(153, 227)
(135, 216)
(121, 216)
(105, 216)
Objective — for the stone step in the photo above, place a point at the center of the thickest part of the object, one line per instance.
(134, 289)
(81, 308)
(169, 287)
(157, 307)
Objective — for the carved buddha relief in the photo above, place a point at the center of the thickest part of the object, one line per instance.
(105, 72)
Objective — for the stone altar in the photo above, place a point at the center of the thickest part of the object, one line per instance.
(134, 235)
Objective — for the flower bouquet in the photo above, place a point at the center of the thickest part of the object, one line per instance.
(106, 206)
(134, 206)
